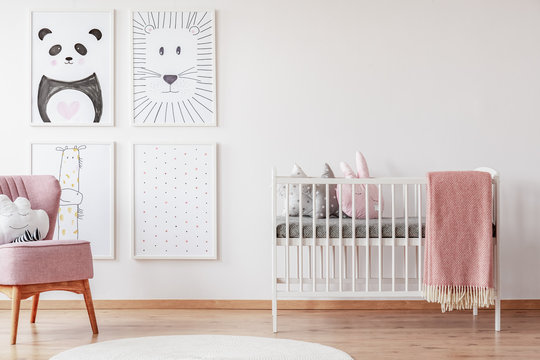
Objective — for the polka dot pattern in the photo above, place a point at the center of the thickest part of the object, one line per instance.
(174, 192)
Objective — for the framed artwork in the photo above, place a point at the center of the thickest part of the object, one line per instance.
(174, 62)
(86, 174)
(72, 62)
(174, 201)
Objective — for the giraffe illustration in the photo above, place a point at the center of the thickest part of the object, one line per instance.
(69, 211)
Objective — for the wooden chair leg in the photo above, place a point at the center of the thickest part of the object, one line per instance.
(15, 307)
(35, 302)
(90, 306)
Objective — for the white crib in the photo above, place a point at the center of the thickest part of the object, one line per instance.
(343, 257)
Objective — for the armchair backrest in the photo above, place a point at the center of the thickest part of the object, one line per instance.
(43, 191)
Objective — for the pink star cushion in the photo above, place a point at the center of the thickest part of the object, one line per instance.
(360, 191)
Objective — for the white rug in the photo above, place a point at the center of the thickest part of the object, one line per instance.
(198, 347)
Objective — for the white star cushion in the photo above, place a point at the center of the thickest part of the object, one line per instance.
(307, 195)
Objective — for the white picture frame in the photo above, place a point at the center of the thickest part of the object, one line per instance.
(85, 82)
(164, 93)
(98, 222)
(192, 233)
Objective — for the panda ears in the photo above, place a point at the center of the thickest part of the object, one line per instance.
(43, 32)
(96, 33)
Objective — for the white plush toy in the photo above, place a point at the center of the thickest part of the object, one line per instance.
(17, 217)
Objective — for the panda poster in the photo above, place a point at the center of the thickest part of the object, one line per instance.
(72, 68)
(86, 175)
(174, 68)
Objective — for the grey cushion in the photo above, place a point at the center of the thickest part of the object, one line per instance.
(307, 195)
(320, 227)
(294, 195)
(320, 196)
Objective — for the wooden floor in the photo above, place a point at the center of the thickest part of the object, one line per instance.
(364, 334)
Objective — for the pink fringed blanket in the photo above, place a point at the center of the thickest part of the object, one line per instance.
(459, 241)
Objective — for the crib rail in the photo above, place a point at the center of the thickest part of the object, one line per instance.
(378, 264)
(363, 181)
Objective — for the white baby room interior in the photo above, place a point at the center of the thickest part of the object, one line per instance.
(269, 179)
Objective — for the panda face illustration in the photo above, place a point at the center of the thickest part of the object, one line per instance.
(70, 56)
(69, 90)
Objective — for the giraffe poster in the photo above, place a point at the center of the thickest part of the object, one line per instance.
(85, 173)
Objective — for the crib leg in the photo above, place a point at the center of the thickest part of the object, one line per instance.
(274, 297)
(475, 310)
(274, 313)
(498, 315)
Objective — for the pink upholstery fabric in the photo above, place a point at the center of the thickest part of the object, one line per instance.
(40, 262)
(43, 191)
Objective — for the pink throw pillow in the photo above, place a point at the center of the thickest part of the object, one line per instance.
(360, 191)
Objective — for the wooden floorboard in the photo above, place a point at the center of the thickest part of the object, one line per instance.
(523, 304)
(365, 334)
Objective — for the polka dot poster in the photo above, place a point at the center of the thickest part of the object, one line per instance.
(174, 196)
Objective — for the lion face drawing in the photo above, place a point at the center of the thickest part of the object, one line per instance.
(173, 57)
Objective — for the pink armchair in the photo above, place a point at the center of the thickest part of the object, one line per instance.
(28, 269)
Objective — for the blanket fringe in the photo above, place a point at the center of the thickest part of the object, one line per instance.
(459, 297)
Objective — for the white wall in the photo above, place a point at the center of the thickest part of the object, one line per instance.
(416, 85)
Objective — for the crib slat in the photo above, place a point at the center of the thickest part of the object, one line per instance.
(327, 238)
(415, 200)
(357, 269)
(300, 248)
(340, 253)
(333, 257)
(406, 216)
(379, 187)
(353, 237)
(393, 188)
(287, 233)
(309, 260)
(419, 257)
(368, 262)
(321, 256)
(313, 250)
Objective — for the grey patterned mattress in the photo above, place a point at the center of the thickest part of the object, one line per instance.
(360, 224)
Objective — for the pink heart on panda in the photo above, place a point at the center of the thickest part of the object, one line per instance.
(68, 111)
